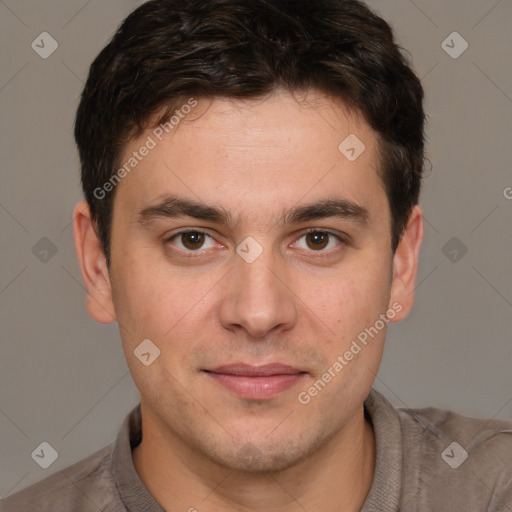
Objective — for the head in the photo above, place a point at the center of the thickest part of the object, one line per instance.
(286, 139)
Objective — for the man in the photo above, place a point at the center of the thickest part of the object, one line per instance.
(252, 171)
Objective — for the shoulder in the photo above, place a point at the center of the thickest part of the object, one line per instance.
(85, 486)
(486, 436)
(458, 455)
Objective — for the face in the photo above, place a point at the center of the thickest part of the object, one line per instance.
(256, 256)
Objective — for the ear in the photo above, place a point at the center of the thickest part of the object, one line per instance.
(405, 265)
(93, 265)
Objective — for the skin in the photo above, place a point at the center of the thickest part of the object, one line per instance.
(299, 304)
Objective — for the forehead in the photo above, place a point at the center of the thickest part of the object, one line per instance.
(250, 154)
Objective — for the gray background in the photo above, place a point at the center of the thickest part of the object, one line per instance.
(63, 378)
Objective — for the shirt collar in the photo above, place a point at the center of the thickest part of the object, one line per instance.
(133, 492)
(385, 491)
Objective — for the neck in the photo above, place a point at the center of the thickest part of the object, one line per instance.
(336, 477)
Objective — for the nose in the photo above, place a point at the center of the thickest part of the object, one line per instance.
(257, 299)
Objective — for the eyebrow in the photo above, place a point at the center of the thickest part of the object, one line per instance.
(173, 206)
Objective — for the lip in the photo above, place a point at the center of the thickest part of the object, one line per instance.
(248, 370)
(256, 382)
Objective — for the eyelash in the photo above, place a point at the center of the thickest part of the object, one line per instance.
(199, 252)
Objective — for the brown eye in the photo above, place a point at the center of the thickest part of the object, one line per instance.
(192, 240)
(317, 240)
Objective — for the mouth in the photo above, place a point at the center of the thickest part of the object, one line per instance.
(256, 382)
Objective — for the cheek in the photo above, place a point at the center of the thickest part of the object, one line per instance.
(167, 308)
(143, 301)
(351, 303)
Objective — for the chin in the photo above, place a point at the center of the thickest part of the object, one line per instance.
(262, 457)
